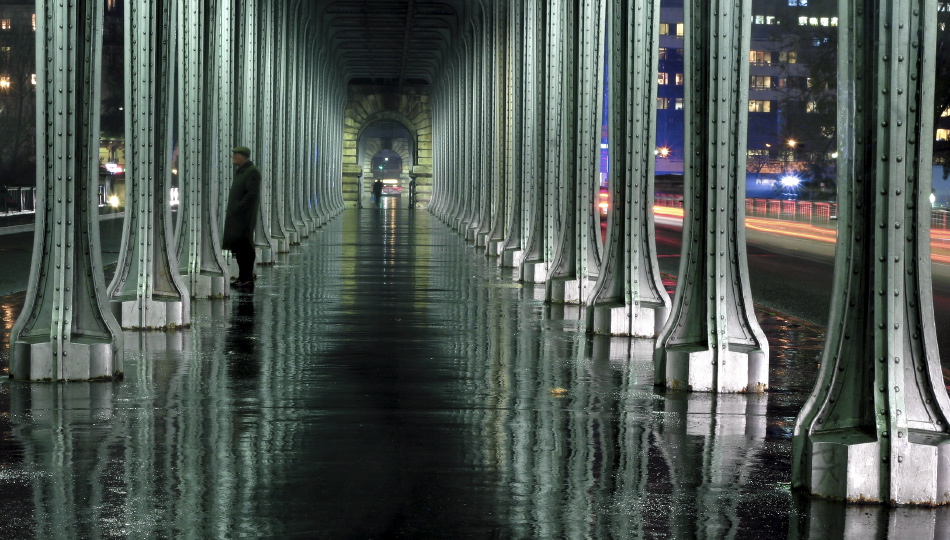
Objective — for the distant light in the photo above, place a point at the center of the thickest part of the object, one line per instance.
(114, 201)
(933, 199)
(792, 143)
(390, 181)
(662, 151)
(767, 145)
(791, 181)
(834, 155)
(173, 197)
(113, 167)
(603, 146)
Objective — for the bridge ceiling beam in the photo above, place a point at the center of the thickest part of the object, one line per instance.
(398, 41)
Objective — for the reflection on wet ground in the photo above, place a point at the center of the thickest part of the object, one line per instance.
(387, 380)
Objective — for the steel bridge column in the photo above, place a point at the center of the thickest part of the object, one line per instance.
(291, 119)
(875, 426)
(276, 14)
(629, 297)
(712, 341)
(199, 245)
(65, 330)
(542, 199)
(484, 177)
(500, 171)
(529, 131)
(514, 121)
(577, 252)
(146, 290)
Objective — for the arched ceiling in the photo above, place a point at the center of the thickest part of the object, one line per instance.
(392, 42)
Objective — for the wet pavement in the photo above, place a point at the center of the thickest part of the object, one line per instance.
(387, 380)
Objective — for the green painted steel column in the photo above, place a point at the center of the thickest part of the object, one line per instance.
(277, 38)
(543, 197)
(513, 165)
(262, 88)
(147, 290)
(712, 341)
(199, 250)
(501, 114)
(534, 70)
(577, 251)
(875, 427)
(629, 297)
(66, 330)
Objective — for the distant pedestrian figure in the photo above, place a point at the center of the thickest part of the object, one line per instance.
(378, 192)
(241, 216)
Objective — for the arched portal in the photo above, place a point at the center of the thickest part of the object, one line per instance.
(386, 151)
(378, 118)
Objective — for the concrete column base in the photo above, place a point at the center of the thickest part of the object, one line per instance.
(723, 371)
(481, 239)
(565, 291)
(265, 256)
(847, 465)
(534, 272)
(637, 321)
(75, 361)
(208, 286)
(283, 245)
(151, 314)
(510, 258)
(493, 248)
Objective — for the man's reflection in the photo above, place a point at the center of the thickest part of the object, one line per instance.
(241, 346)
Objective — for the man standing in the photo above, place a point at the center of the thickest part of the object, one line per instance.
(378, 192)
(241, 216)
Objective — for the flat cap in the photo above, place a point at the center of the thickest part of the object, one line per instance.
(243, 150)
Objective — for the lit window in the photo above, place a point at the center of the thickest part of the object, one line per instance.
(760, 82)
(824, 21)
(664, 29)
(679, 79)
(811, 106)
(6, 24)
(770, 19)
(809, 82)
(33, 79)
(34, 22)
(943, 134)
(663, 53)
(759, 57)
(788, 57)
(663, 78)
(945, 113)
(5, 82)
(803, 21)
(760, 105)
(5, 50)
(662, 103)
(759, 19)
(780, 82)
(813, 21)
(679, 29)
(834, 21)
(757, 152)
(678, 104)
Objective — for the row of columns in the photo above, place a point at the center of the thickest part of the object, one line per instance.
(205, 75)
(876, 426)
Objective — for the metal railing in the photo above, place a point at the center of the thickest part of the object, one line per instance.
(17, 200)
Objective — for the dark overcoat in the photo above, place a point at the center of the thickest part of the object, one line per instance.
(243, 203)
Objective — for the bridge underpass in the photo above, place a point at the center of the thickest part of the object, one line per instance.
(513, 138)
